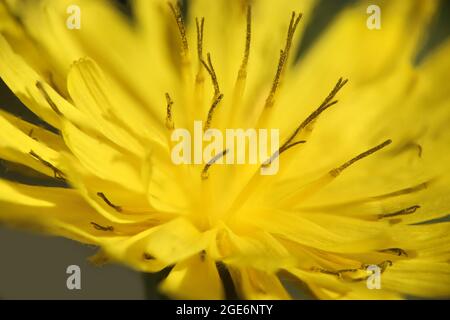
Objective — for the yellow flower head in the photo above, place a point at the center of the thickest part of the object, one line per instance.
(356, 182)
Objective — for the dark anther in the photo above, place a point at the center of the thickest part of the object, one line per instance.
(102, 228)
(58, 174)
(397, 251)
(205, 174)
(148, 256)
(203, 255)
(109, 203)
(47, 98)
(337, 171)
(402, 212)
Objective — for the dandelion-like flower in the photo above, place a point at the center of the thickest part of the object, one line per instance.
(357, 178)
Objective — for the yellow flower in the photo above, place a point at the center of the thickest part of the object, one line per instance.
(356, 182)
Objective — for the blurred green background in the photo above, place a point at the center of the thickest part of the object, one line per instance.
(34, 266)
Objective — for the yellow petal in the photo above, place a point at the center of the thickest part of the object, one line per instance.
(17, 146)
(35, 132)
(194, 278)
(254, 249)
(338, 234)
(176, 240)
(420, 278)
(258, 285)
(104, 159)
(58, 211)
(22, 79)
(103, 101)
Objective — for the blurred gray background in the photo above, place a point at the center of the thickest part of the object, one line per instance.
(34, 266)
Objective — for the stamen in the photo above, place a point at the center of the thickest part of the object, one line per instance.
(316, 113)
(339, 273)
(337, 171)
(401, 192)
(102, 228)
(402, 212)
(210, 68)
(293, 144)
(217, 95)
(211, 111)
(109, 203)
(169, 121)
(348, 270)
(58, 174)
(292, 27)
(313, 116)
(410, 145)
(30, 134)
(176, 11)
(200, 28)
(203, 255)
(359, 279)
(397, 251)
(420, 150)
(242, 73)
(243, 70)
(44, 93)
(276, 154)
(325, 271)
(276, 82)
(205, 173)
(148, 256)
(383, 265)
(284, 55)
